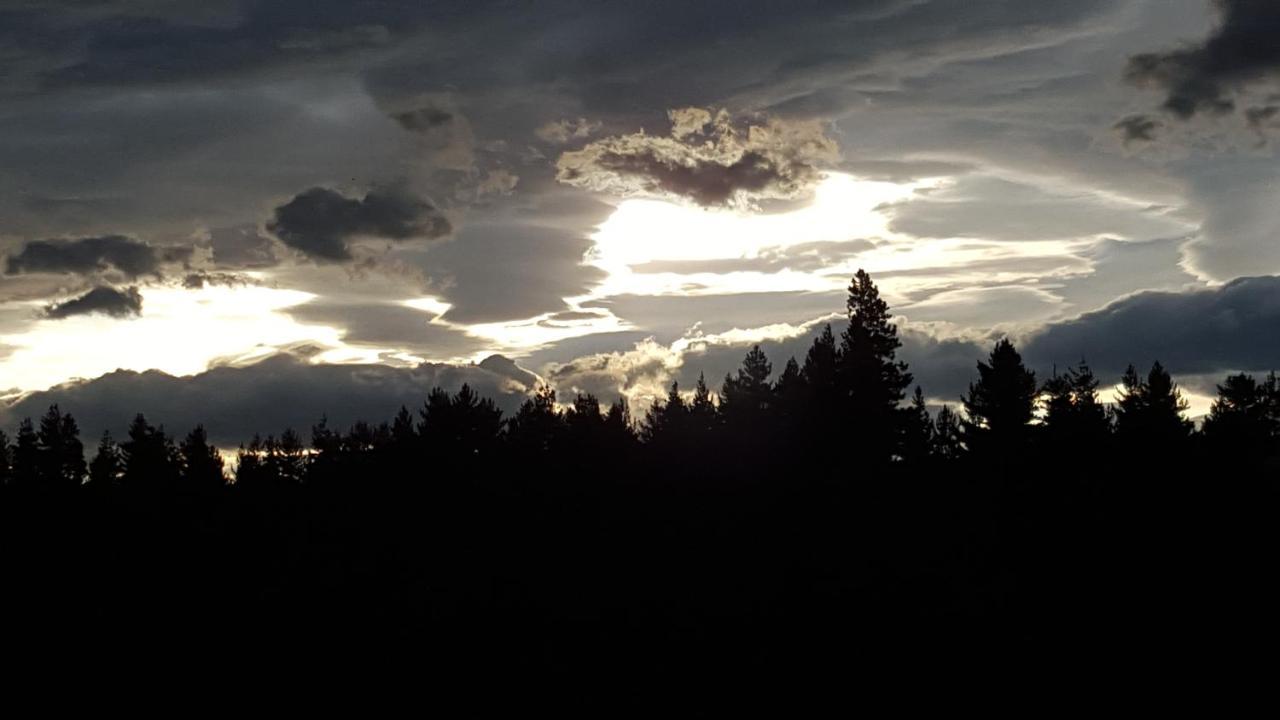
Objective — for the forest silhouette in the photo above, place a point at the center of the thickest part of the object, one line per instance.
(807, 517)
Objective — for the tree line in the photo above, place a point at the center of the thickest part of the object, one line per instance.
(810, 518)
(848, 393)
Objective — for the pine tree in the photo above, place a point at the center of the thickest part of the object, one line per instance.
(537, 426)
(202, 464)
(917, 431)
(1001, 405)
(403, 434)
(251, 464)
(150, 460)
(620, 429)
(1074, 417)
(746, 398)
(948, 441)
(703, 412)
(105, 469)
(666, 422)
(286, 458)
(820, 362)
(26, 455)
(1240, 426)
(1149, 412)
(61, 454)
(585, 424)
(6, 460)
(870, 380)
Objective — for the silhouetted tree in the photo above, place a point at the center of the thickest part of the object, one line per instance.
(1074, 417)
(620, 426)
(462, 427)
(1001, 405)
(666, 421)
(251, 464)
(105, 469)
(537, 426)
(948, 440)
(1149, 412)
(703, 411)
(26, 455)
(150, 460)
(871, 380)
(917, 431)
(746, 397)
(286, 458)
(821, 420)
(1241, 426)
(6, 460)
(61, 454)
(585, 427)
(202, 464)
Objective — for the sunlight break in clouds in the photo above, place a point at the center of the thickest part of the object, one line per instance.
(644, 231)
(180, 332)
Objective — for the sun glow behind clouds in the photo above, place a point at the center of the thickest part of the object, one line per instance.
(647, 231)
(180, 332)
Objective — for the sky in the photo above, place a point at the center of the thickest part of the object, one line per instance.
(251, 213)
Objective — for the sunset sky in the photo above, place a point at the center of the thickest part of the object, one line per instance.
(287, 209)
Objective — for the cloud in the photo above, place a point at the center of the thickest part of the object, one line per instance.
(100, 300)
(707, 159)
(942, 366)
(322, 223)
(494, 272)
(1232, 327)
(267, 397)
(1206, 77)
(993, 208)
(130, 257)
(444, 132)
(388, 326)
(560, 132)
(639, 374)
(506, 367)
(198, 280)
(241, 247)
(1137, 128)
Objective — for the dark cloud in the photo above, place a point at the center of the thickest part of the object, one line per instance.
(101, 300)
(130, 257)
(321, 223)
(198, 280)
(1204, 78)
(575, 315)
(707, 159)
(1137, 128)
(1233, 327)
(279, 392)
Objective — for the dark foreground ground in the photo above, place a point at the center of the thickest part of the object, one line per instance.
(654, 581)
